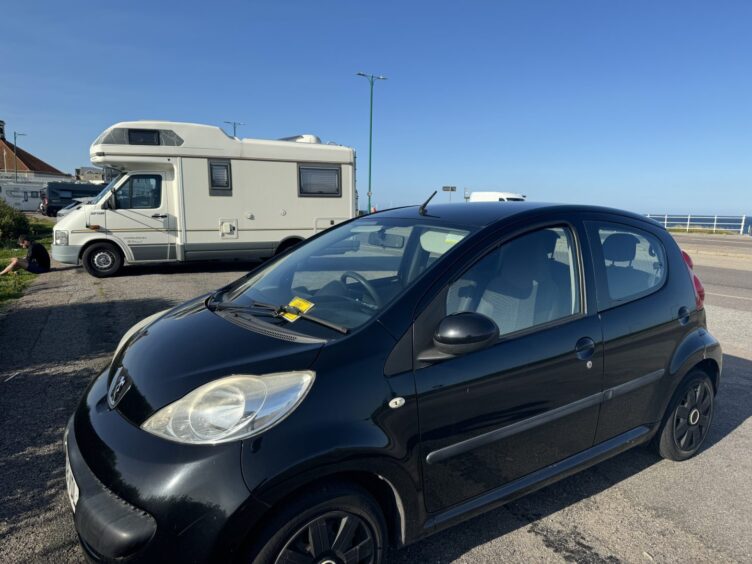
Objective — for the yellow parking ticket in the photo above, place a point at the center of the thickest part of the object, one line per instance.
(300, 305)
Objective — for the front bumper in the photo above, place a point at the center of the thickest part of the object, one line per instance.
(146, 499)
(67, 254)
(108, 526)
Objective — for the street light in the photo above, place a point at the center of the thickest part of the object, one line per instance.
(234, 125)
(371, 78)
(16, 135)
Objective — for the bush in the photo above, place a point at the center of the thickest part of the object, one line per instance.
(12, 223)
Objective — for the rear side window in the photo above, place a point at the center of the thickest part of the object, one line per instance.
(220, 178)
(319, 181)
(634, 261)
(528, 281)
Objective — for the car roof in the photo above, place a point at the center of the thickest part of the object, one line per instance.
(482, 214)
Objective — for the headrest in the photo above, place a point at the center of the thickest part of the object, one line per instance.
(620, 247)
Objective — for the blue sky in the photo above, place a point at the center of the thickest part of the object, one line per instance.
(643, 105)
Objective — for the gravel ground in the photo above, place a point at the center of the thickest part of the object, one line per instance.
(633, 508)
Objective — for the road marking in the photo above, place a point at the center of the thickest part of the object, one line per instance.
(9, 378)
(728, 296)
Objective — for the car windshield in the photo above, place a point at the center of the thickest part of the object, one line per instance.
(106, 189)
(349, 274)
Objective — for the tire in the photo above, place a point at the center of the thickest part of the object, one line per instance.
(284, 247)
(688, 418)
(310, 528)
(102, 260)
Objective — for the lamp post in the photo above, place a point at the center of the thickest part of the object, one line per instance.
(16, 135)
(235, 125)
(371, 78)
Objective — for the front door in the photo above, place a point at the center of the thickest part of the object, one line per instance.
(525, 402)
(141, 219)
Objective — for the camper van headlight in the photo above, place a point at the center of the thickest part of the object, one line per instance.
(231, 408)
(61, 238)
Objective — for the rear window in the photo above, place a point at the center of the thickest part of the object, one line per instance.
(319, 181)
(634, 261)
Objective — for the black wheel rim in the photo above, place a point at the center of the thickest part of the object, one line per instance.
(336, 537)
(693, 416)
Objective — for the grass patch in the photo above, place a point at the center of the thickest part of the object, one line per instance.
(12, 286)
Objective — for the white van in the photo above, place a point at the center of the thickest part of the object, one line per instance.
(192, 192)
(24, 196)
(496, 197)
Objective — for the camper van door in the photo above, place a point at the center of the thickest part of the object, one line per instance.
(141, 217)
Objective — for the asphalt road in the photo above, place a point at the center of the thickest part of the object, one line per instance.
(633, 508)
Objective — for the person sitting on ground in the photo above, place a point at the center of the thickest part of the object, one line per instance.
(37, 260)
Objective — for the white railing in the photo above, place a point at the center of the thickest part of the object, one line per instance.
(713, 223)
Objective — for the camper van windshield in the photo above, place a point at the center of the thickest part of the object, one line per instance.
(346, 276)
(106, 189)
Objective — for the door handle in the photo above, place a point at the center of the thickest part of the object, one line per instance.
(584, 348)
(684, 315)
(159, 216)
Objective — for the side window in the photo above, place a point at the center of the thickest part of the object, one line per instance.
(634, 260)
(531, 280)
(220, 178)
(319, 181)
(140, 192)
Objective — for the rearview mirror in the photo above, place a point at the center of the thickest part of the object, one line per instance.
(465, 332)
(386, 240)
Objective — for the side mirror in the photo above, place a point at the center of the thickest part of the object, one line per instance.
(464, 332)
(109, 203)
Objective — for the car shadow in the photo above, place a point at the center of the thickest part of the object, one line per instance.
(240, 266)
(49, 356)
(733, 408)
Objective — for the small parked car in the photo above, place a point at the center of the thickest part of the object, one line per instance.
(388, 378)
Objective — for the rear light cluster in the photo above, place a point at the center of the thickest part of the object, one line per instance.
(699, 288)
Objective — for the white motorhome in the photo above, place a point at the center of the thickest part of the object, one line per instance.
(24, 196)
(192, 192)
(496, 197)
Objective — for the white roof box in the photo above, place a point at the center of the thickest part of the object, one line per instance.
(303, 138)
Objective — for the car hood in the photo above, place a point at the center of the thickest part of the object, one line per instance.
(190, 346)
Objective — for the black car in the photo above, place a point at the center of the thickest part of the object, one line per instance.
(388, 378)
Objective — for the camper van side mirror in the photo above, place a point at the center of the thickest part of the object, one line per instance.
(109, 203)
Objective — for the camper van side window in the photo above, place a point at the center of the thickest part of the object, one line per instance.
(319, 181)
(140, 192)
(220, 178)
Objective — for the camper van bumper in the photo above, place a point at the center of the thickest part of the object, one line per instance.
(68, 254)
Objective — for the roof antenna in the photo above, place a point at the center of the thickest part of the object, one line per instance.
(422, 208)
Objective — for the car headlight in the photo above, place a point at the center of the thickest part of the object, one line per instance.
(136, 328)
(61, 238)
(231, 408)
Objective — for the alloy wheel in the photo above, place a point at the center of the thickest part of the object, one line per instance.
(693, 416)
(335, 537)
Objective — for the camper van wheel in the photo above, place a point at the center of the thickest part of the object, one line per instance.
(285, 245)
(102, 260)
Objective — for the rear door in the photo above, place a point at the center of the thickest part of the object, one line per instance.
(641, 323)
(141, 218)
(527, 401)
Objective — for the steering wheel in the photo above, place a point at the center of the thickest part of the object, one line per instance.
(367, 286)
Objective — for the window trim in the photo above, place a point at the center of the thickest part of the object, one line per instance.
(602, 293)
(220, 190)
(130, 190)
(579, 262)
(324, 166)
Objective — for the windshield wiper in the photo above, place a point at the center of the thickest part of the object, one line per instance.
(278, 311)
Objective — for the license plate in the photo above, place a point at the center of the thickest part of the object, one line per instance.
(70, 482)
